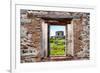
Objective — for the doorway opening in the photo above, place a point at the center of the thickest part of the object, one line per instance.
(57, 40)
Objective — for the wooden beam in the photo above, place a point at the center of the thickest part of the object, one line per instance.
(57, 21)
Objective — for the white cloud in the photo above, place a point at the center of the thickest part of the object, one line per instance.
(52, 33)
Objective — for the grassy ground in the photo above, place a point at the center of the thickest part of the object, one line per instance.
(57, 47)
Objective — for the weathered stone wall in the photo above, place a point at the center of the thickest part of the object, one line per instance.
(31, 33)
(81, 36)
(77, 28)
(30, 39)
(84, 36)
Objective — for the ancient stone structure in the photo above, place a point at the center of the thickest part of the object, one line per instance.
(30, 39)
(59, 34)
(84, 36)
(34, 31)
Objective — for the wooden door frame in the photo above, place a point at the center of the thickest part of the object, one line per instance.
(55, 21)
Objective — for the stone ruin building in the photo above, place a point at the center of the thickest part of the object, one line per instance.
(34, 34)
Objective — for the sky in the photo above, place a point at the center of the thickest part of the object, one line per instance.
(54, 28)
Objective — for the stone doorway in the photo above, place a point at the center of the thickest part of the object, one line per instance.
(35, 29)
(68, 38)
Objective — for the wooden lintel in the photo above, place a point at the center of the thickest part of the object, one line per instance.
(57, 21)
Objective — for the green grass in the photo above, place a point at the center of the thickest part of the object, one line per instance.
(57, 52)
(57, 47)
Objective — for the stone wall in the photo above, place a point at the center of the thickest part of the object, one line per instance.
(31, 33)
(81, 36)
(30, 39)
(77, 28)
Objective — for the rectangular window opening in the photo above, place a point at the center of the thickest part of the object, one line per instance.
(57, 40)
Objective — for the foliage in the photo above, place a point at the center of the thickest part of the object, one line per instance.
(57, 46)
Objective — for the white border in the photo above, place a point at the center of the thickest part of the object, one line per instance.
(17, 67)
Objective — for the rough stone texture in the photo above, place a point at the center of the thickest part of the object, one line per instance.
(77, 30)
(85, 36)
(81, 36)
(50, 14)
(31, 31)
(30, 40)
